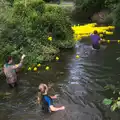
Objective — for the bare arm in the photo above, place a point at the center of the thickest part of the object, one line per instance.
(20, 64)
(52, 108)
(39, 98)
(55, 96)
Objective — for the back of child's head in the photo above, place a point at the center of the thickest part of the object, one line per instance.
(43, 88)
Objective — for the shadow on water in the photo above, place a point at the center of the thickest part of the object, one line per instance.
(80, 83)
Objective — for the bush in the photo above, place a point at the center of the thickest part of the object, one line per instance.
(86, 8)
(27, 31)
(117, 16)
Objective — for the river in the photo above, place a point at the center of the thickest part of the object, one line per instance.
(79, 82)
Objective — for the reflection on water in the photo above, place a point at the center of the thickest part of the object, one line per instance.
(80, 83)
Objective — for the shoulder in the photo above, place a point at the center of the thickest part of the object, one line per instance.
(47, 98)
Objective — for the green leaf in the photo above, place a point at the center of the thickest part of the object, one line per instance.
(118, 98)
(118, 104)
(113, 107)
(107, 101)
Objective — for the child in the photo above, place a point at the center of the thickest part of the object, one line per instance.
(95, 40)
(46, 100)
(10, 71)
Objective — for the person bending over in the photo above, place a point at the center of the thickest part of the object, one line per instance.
(95, 40)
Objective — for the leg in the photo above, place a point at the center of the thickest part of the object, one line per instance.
(11, 85)
(97, 47)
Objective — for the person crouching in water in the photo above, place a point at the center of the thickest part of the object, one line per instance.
(46, 100)
(10, 71)
(95, 40)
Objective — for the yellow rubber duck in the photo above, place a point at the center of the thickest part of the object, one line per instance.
(81, 31)
(47, 68)
(108, 41)
(118, 41)
(50, 38)
(101, 35)
(77, 56)
(38, 65)
(35, 69)
(29, 69)
(57, 58)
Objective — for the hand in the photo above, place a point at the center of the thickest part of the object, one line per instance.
(62, 108)
(56, 95)
(100, 41)
(23, 56)
(38, 102)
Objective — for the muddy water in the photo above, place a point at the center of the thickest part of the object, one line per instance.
(79, 82)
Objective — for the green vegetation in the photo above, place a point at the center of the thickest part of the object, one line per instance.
(27, 26)
(87, 8)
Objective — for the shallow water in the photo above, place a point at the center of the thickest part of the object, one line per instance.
(79, 82)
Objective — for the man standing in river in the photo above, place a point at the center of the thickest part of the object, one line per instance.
(10, 71)
(95, 40)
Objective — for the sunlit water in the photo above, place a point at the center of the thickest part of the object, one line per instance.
(80, 83)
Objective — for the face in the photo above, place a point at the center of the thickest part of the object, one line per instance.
(11, 61)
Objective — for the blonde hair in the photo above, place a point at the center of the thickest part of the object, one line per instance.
(43, 89)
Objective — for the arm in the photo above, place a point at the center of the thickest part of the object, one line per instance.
(54, 97)
(20, 64)
(39, 98)
(52, 108)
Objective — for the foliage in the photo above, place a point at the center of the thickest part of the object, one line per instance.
(115, 104)
(107, 101)
(26, 31)
(117, 16)
(85, 9)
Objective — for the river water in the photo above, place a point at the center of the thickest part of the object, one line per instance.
(79, 82)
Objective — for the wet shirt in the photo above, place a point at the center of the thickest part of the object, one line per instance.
(95, 39)
(46, 103)
(10, 72)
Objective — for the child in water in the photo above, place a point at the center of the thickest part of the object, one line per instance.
(46, 100)
(10, 71)
(95, 40)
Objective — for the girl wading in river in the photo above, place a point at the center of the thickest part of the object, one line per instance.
(46, 100)
(10, 71)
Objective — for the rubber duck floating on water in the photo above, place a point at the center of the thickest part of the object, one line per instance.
(77, 56)
(47, 68)
(57, 58)
(81, 31)
(35, 69)
(38, 65)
